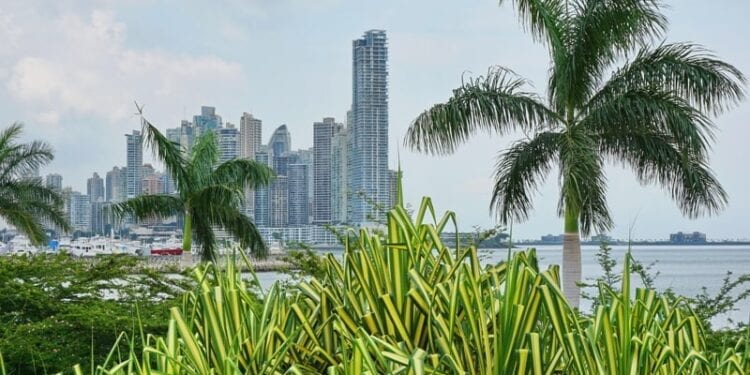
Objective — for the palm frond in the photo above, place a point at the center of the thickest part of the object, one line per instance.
(149, 206)
(547, 20)
(584, 185)
(18, 160)
(651, 110)
(225, 195)
(23, 219)
(601, 33)
(492, 103)
(519, 171)
(204, 234)
(241, 228)
(42, 202)
(688, 70)
(658, 158)
(204, 157)
(168, 153)
(243, 174)
(9, 135)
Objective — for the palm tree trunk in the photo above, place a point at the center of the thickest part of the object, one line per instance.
(187, 233)
(571, 258)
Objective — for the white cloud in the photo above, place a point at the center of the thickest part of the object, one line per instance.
(90, 70)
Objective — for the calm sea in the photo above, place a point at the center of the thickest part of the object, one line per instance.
(684, 269)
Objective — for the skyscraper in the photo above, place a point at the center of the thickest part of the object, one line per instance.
(228, 138)
(251, 133)
(80, 212)
(251, 137)
(187, 136)
(339, 144)
(135, 164)
(322, 135)
(298, 196)
(54, 181)
(307, 156)
(279, 202)
(368, 169)
(280, 142)
(262, 203)
(95, 188)
(115, 185)
(207, 120)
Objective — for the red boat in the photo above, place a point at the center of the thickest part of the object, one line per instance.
(166, 251)
(171, 247)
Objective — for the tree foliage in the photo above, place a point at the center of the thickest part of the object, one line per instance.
(25, 202)
(209, 193)
(56, 311)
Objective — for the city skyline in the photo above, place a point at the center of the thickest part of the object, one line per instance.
(109, 45)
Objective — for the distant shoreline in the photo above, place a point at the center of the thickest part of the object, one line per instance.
(638, 243)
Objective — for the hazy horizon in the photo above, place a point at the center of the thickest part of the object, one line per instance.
(71, 70)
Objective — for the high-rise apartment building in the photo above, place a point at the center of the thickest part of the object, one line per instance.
(95, 188)
(339, 152)
(207, 120)
(298, 176)
(368, 167)
(153, 183)
(262, 204)
(307, 156)
(54, 181)
(80, 212)
(322, 136)
(227, 138)
(251, 133)
(279, 202)
(134, 174)
(116, 185)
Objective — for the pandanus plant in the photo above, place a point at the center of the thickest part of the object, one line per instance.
(404, 303)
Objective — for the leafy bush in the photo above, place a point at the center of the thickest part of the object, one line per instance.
(56, 310)
(405, 303)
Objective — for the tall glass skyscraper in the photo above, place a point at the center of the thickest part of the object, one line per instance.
(228, 138)
(298, 196)
(95, 188)
(368, 146)
(322, 137)
(251, 132)
(262, 204)
(134, 174)
(281, 141)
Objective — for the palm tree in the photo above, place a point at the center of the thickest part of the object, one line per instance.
(612, 95)
(24, 201)
(209, 195)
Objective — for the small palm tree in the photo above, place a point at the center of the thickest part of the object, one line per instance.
(208, 195)
(26, 202)
(651, 113)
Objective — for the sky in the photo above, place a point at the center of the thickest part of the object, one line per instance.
(71, 71)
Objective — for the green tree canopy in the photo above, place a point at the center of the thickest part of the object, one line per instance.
(209, 194)
(25, 202)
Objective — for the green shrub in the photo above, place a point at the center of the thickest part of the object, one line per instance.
(405, 304)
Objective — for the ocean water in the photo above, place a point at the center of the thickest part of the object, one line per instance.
(684, 269)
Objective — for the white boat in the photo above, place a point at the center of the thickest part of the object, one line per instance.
(21, 245)
(91, 247)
